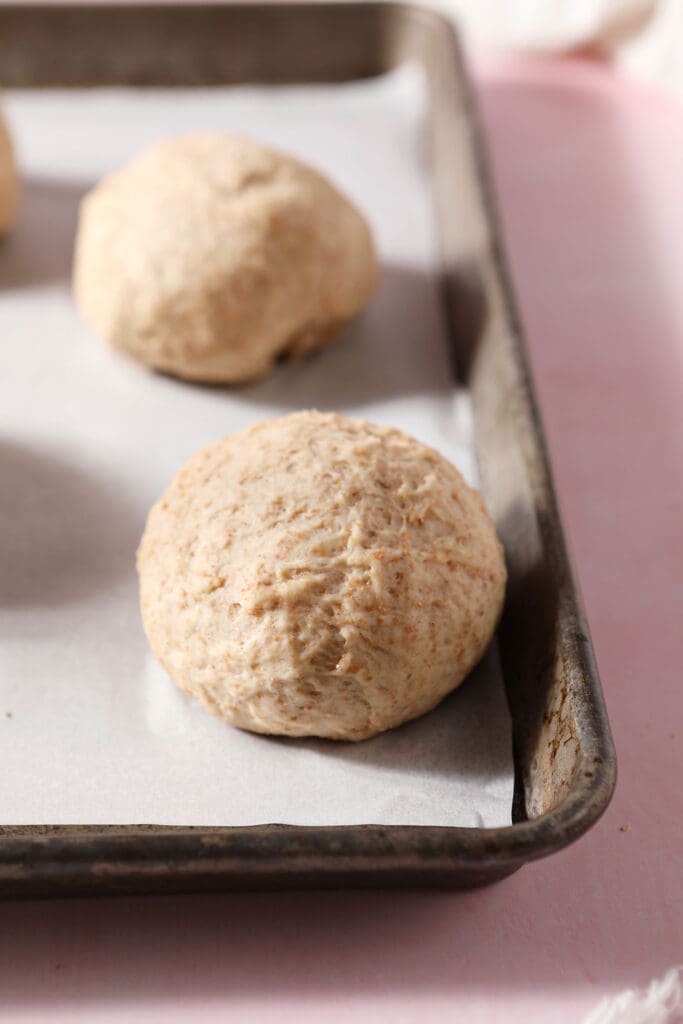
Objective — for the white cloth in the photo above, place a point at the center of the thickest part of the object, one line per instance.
(644, 37)
(660, 1003)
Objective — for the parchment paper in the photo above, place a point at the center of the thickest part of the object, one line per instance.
(91, 729)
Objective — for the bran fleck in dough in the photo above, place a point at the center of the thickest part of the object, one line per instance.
(209, 256)
(319, 576)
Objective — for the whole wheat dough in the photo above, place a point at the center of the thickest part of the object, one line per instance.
(318, 575)
(9, 181)
(209, 256)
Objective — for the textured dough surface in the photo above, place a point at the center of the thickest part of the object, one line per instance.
(9, 180)
(318, 575)
(209, 256)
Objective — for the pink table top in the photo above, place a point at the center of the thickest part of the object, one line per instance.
(588, 170)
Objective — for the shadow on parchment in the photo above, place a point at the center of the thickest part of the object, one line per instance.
(457, 738)
(38, 249)
(399, 347)
(63, 532)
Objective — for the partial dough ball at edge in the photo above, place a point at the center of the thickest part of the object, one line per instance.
(9, 180)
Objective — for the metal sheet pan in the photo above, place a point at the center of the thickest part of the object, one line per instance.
(565, 765)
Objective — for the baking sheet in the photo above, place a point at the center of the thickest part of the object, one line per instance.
(92, 730)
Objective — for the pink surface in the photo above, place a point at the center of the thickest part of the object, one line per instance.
(588, 170)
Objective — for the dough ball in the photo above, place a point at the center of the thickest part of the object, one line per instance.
(209, 256)
(9, 180)
(319, 576)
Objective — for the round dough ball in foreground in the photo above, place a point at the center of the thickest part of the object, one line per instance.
(9, 181)
(209, 256)
(319, 576)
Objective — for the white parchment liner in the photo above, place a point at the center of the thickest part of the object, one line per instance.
(91, 730)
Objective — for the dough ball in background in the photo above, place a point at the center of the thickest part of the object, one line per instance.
(209, 256)
(319, 576)
(9, 180)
